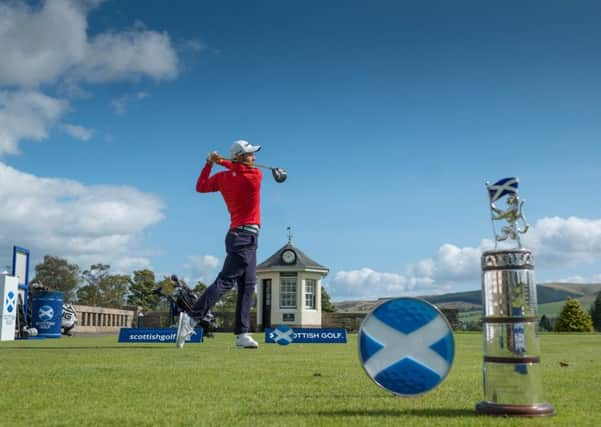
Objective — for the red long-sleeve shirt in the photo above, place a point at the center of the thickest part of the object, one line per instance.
(240, 187)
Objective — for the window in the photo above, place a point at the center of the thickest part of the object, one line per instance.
(310, 287)
(287, 292)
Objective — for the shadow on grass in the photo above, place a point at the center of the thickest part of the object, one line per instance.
(431, 412)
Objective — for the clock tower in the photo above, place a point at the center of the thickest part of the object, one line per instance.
(289, 289)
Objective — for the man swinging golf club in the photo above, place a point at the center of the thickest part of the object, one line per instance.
(240, 186)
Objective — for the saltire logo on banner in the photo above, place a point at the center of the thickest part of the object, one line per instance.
(158, 335)
(406, 346)
(284, 335)
(502, 187)
(45, 313)
(11, 302)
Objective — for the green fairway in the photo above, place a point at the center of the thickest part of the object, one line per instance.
(96, 381)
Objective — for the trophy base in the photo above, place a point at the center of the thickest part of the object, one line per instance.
(496, 409)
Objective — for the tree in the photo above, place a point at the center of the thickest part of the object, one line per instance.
(595, 312)
(228, 301)
(545, 323)
(200, 288)
(167, 288)
(573, 318)
(57, 274)
(141, 288)
(103, 289)
(326, 304)
(90, 293)
(113, 290)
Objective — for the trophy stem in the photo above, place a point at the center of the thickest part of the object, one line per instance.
(511, 363)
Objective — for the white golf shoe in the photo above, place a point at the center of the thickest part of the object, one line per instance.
(185, 329)
(246, 341)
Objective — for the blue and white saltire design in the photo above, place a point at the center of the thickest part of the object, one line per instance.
(11, 302)
(283, 335)
(406, 346)
(502, 187)
(45, 313)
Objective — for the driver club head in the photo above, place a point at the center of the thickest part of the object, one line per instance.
(279, 174)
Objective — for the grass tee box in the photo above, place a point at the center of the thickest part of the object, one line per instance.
(85, 381)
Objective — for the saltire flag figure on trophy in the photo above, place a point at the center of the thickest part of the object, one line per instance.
(514, 212)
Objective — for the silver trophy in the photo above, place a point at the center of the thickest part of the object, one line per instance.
(511, 365)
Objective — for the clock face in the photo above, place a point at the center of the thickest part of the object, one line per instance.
(288, 256)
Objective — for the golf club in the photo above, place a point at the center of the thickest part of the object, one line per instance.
(279, 174)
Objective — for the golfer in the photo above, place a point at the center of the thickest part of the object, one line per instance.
(240, 186)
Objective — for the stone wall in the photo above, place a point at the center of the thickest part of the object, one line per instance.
(102, 320)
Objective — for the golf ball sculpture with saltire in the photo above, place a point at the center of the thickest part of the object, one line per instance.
(406, 346)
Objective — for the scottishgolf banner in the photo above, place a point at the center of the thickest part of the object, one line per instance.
(160, 335)
(284, 335)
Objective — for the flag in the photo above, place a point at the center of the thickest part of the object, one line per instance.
(502, 187)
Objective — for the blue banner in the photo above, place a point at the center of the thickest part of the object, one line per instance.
(284, 335)
(162, 335)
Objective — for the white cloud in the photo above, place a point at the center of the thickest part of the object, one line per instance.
(59, 53)
(78, 132)
(577, 278)
(129, 54)
(368, 283)
(26, 115)
(128, 264)
(573, 279)
(86, 224)
(29, 57)
(561, 242)
(59, 47)
(202, 268)
(121, 104)
(193, 45)
(454, 264)
(556, 242)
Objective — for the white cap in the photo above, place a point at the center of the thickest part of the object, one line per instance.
(241, 147)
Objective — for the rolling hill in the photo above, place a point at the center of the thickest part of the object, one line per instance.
(549, 293)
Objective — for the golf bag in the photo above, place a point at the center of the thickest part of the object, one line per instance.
(182, 299)
(23, 331)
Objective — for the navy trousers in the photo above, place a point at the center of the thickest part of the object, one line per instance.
(239, 268)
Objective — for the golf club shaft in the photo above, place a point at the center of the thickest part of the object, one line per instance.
(279, 174)
(263, 166)
(255, 165)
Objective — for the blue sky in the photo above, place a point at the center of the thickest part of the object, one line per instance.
(389, 118)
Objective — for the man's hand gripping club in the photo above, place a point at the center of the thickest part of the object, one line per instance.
(214, 157)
